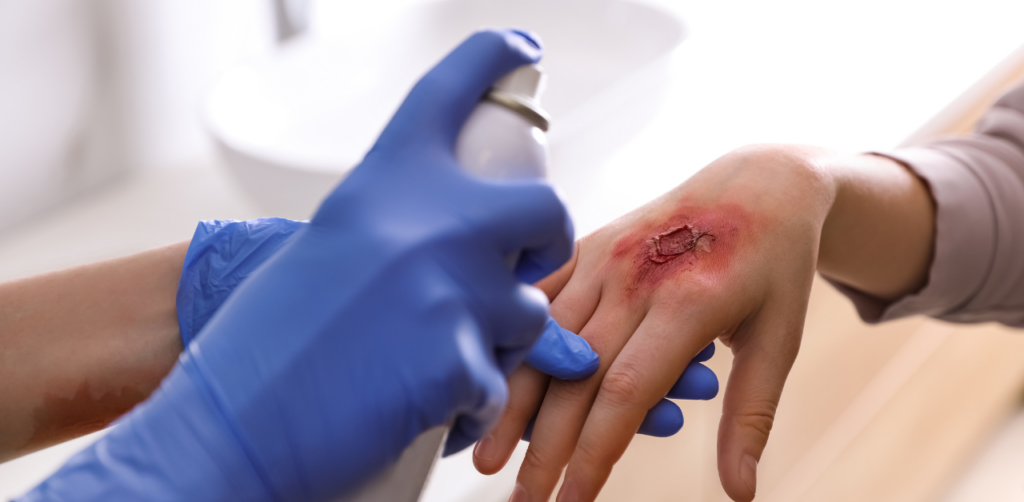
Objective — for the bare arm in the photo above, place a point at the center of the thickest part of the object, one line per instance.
(80, 347)
(973, 271)
(878, 236)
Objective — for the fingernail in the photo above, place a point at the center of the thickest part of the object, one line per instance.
(748, 473)
(519, 494)
(569, 492)
(485, 448)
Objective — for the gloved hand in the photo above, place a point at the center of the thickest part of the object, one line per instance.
(392, 312)
(223, 253)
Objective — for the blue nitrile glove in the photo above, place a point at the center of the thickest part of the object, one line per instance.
(224, 252)
(392, 312)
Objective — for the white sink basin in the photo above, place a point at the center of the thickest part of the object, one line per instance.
(46, 85)
(292, 125)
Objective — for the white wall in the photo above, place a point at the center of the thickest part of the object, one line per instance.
(92, 89)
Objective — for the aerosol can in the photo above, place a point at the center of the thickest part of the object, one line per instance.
(502, 139)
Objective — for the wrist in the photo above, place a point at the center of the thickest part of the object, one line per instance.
(879, 233)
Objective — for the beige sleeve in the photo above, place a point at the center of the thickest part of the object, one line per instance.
(977, 273)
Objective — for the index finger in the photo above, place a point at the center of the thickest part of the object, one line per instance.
(442, 100)
(640, 376)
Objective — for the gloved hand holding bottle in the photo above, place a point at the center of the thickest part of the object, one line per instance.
(393, 311)
(223, 253)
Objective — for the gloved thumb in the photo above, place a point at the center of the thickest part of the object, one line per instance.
(562, 354)
(434, 111)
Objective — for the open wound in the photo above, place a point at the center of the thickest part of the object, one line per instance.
(676, 241)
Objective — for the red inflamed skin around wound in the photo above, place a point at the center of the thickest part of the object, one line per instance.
(692, 244)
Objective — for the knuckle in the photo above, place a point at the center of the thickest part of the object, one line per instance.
(572, 391)
(536, 460)
(427, 85)
(534, 305)
(526, 391)
(546, 201)
(623, 386)
(517, 412)
(591, 455)
(759, 418)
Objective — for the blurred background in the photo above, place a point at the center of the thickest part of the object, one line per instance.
(124, 122)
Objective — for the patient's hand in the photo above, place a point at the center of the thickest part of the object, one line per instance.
(730, 254)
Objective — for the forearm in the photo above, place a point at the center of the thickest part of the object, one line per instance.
(880, 231)
(80, 347)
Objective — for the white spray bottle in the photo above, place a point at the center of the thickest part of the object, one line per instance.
(503, 139)
(504, 136)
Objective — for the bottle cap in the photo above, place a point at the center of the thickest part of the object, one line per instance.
(520, 92)
(526, 81)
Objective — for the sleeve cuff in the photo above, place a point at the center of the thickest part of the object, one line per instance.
(964, 239)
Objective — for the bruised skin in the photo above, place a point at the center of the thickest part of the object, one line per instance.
(60, 418)
(693, 241)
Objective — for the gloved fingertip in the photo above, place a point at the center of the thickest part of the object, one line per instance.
(696, 382)
(437, 107)
(524, 41)
(530, 37)
(706, 353)
(663, 420)
(586, 366)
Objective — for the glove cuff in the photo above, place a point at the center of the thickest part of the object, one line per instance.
(174, 446)
(223, 253)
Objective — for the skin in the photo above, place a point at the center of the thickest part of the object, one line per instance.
(648, 297)
(81, 347)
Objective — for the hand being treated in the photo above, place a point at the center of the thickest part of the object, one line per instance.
(392, 312)
(730, 255)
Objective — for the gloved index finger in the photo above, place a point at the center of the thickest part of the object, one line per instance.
(434, 111)
(705, 354)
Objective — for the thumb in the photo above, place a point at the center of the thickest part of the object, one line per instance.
(760, 367)
(434, 111)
